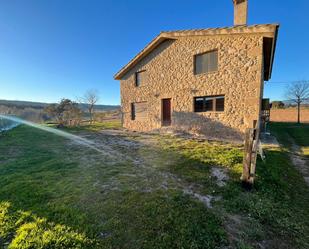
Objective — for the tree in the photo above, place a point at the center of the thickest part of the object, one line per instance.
(90, 98)
(53, 112)
(277, 105)
(65, 113)
(72, 115)
(298, 92)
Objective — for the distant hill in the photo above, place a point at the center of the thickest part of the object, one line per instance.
(40, 105)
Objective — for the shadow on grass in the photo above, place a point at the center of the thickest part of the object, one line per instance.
(299, 133)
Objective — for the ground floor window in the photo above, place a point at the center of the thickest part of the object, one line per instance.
(139, 111)
(133, 111)
(209, 104)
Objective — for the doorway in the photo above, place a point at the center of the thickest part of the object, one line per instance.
(166, 112)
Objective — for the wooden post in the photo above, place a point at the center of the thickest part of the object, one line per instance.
(249, 134)
(250, 156)
(254, 155)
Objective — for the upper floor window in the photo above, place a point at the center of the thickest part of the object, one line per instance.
(209, 104)
(206, 62)
(139, 76)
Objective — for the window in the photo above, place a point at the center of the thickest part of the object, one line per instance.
(139, 78)
(219, 104)
(139, 111)
(206, 62)
(132, 111)
(209, 104)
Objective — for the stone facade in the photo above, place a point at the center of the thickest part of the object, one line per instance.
(169, 73)
(240, 12)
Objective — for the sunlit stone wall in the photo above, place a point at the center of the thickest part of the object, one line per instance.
(170, 74)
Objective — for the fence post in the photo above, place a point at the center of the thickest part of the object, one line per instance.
(254, 153)
(250, 156)
(245, 178)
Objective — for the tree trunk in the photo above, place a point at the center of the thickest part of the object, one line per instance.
(298, 111)
(90, 115)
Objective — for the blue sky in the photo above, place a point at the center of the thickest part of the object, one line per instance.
(51, 49)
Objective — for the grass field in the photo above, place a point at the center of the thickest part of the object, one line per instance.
(299, 133)
(144, 191)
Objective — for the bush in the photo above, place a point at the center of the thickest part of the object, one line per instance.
(277, 105)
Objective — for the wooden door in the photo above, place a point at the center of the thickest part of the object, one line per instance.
(166, 112)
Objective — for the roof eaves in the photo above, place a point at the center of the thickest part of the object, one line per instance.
(149, 47)
(260, 28)
(273, 51)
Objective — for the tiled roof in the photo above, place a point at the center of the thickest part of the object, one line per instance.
(260, 28)
(225, 30)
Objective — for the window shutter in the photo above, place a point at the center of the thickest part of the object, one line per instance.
(139, 111)
(213, 61)
(198, 64)
(207, 62)
(139, 78)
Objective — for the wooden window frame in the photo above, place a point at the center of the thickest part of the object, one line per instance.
(213, 98)
(207, 52)
(136, 77)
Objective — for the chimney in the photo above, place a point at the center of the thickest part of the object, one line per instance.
(240, 12)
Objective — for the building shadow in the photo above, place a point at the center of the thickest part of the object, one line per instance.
(200, 125)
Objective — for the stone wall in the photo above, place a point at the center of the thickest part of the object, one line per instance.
(170, 74)
(289, 115)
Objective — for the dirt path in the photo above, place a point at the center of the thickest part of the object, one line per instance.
(143, 152)
(299, 160)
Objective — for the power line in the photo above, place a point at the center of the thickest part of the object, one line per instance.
(286, 82)
(280, 82)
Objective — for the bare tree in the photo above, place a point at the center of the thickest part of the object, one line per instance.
(298, 92)
(90, 98)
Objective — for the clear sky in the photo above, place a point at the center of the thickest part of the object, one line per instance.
(51, 49)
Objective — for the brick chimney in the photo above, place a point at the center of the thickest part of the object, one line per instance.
(240, 12)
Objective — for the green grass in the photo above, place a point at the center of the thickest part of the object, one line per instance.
(25, 230)
(56, 194)
(97, 126)
(195, 159)
(94, 127)
(298, 132)
(42, 175)
(273, 211)
(278, 203)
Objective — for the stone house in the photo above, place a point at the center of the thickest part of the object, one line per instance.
(207, 81)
